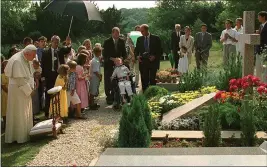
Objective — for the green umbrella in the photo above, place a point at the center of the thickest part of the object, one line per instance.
(134, 35)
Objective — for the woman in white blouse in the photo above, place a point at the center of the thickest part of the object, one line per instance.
(187, 41)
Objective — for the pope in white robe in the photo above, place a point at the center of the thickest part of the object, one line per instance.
(19, 117)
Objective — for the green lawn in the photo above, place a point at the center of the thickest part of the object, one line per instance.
(214, 62)
(20, 154)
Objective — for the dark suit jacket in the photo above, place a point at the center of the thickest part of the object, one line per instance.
(263, 36)
(110, 51)
(47, 59)
(155, 49)
(204, 45)
(175, 41)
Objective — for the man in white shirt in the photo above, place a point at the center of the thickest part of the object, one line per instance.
(229, 39)
(239, 30)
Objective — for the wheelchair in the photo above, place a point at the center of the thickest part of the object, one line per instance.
(116, 90)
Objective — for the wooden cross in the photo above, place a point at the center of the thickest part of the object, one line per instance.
(248, 39)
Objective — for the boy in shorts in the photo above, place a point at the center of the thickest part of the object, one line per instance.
(71, 89)
(96, 78)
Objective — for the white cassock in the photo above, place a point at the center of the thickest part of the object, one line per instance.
(19, 117)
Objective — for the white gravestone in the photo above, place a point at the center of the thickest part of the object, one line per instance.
(248, 39)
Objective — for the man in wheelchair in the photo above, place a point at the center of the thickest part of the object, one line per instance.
(122, 81)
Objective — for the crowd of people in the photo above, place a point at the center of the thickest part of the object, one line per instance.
(29, 73)
(183, 45)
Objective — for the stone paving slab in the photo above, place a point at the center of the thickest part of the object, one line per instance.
(188, 107)
(199, 134)
(204, 156)
(183, 160)
(186, 151)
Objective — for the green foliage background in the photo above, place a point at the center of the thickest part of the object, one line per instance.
(25, 18)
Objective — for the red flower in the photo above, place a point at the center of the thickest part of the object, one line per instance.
(239, 82)
(261, 89)
(255, 81)
(233, 82)
(218, 95)
(245, 85)
(250, 77)
(233, 88)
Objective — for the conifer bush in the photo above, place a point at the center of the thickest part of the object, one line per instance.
(133, 130)
(153, 91)
(248, 125)
(212, 127)
(146, 113)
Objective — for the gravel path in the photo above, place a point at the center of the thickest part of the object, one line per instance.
(81, 141)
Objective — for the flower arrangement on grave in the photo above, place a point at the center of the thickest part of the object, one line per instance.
(243, 86)
(162, 104)
(172, 71)
(163, 77)
(174, 78)
(248, 95)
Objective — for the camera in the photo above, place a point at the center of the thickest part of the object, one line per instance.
(145, 55)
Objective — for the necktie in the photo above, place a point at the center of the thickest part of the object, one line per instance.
(55, 60)
(116, 44)
(203, 36)
(146, 44)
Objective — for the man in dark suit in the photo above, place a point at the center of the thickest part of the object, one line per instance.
(114, 47)
(175, 39)
(52, 58)
(148, 51)
(203, 43)
(262, 17)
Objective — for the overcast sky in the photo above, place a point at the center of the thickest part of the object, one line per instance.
(125, 4)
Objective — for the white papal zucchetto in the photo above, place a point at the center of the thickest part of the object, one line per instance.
(29, 48)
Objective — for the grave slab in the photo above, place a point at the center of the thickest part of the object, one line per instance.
(226, 156)
(188, 107)
(158, 134)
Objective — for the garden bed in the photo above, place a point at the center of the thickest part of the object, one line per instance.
(185, 143)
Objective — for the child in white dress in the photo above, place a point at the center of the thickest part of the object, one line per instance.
(183, 61)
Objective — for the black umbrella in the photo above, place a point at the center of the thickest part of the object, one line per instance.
(83, 10)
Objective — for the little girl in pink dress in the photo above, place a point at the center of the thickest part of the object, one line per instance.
(81, 87)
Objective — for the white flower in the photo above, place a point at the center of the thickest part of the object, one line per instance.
(162, 100)
(171, 102)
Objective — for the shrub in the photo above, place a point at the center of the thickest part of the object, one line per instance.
(146, 113)
(232, 70)
(229, 117)
(248, 128)
(133, 130)
(153, 91)
(192, 80)
(212, 127)
(123, 140)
